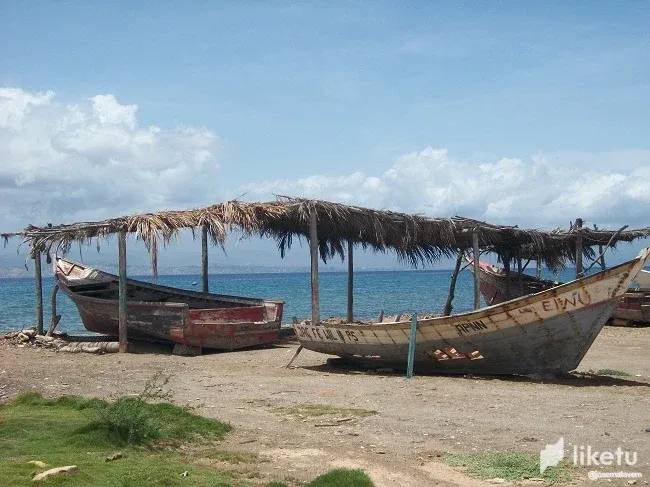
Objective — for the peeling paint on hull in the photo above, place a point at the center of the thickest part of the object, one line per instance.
(169, 314)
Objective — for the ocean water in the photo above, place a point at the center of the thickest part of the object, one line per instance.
(374, 291)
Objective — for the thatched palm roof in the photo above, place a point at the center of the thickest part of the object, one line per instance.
(414, 238)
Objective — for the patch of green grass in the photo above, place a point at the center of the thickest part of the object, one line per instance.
(61, 432)
(511, 466)
(612, 372)
(342, 478)
(323, 410)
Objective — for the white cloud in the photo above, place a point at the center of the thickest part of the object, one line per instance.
(546, 191)
(92, 160)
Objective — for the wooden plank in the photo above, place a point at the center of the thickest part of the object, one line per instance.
(204, 259)
(38, 278)
(122, 292)
(350, 316)
(412, 338)
(313, 248)
(227, 315)
(477, 270)
(579, 272)
(452, 286)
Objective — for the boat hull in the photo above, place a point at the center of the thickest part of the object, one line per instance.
(633, 308)
(547, 332)
(225, 323)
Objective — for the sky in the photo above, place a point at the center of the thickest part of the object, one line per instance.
(514, 112)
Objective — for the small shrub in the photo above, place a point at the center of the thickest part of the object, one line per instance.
(129, 420)
(342, 478)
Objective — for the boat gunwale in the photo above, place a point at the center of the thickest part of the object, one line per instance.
(504, 307)
(61, 278)
(513, 275)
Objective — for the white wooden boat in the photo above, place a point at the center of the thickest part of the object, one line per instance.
(633, 308)
(546, 332)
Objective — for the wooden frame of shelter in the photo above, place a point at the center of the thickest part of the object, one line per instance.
(331, 229)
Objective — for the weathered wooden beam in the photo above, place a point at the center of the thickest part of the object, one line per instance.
(452, 286)
(55, 318)
(204, 259)
(313, 248)
(38, 279)
(477, 269)
(520, 274)
(350, 316)
(539, 269)
(412, 338)
(578, 225)
(122, 292)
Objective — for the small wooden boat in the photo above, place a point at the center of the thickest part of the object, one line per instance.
(166, 313)
(546, 332)
(496, 287)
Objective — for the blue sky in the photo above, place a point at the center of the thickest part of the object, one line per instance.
(358, 102)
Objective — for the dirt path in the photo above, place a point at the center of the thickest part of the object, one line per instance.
(417, 420)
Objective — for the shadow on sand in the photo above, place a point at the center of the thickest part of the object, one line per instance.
(575, 379)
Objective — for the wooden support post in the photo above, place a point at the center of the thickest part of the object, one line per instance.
(506, 268)
(38, 278)
(412, 338)
(55, 318)
(600, 252)
(350, 316)
(520, 274)
(578, 225)
(539, 269)
(122, 292)
(313, 247)
(477, 270)
(204, 259)
(294, 357)
(452, 286)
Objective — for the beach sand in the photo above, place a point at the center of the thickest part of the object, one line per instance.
(417, 421)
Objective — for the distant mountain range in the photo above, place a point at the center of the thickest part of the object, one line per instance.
(14, 271)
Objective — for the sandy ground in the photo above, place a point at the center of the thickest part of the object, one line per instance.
(417, 421)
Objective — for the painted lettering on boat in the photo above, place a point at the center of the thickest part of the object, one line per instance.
(321, 333)
(564, 303)
(303, 331)
(463, 328)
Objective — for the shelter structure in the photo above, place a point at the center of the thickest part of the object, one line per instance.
(332, 229)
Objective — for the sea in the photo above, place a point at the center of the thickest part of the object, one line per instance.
(390, 291)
